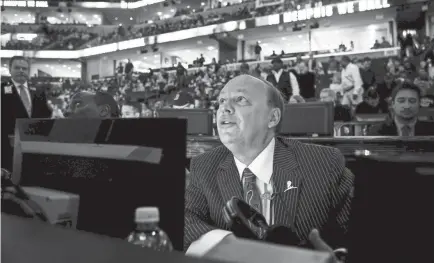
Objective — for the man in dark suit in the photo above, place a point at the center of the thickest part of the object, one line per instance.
(285, 81)
(404, 118)
(19, 100)
(313, 185)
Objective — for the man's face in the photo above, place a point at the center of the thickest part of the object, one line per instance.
(243, 116)
(83, 106)
(129, 112)
(344, 63)
(367, 64)
(277, 66)
(303, 68)
(406, 104)
(20, 70)
(326, 97)
(373, 102)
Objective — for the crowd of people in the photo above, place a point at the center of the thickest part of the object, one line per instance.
(189, 20)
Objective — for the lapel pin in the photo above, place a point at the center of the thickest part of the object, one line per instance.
(8, 89)
(289, 186)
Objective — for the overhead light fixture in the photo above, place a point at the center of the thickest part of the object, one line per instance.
(283, 38)
(120, 24)
(95, 15)
(131, 18)
(145, 58)
(15, 14)
(210, 48)
(159, 13)
(116, 18)
(155, 56)
(172, 10)
(202, 4)
(188, 6)
(61, 15)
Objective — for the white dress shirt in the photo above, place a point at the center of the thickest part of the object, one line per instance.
(292, 79)
(26, 88)
(351, 77)
(262, 167)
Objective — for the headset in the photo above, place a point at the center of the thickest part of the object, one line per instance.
(15, 201)
(244, 221)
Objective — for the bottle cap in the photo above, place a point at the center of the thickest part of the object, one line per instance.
(147, 215)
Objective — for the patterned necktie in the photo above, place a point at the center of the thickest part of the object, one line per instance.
(406, 130)
(26, 99)
(251, 191)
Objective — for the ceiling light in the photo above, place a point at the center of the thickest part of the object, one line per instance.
(194, 10)
(188, 6)
(300, 36)
(120, 24)
(283, 38)
(61, 15)
(172, 10)
(81, 15)
(95, 15)
(159, 13)
(202, 4)
(131, 18)
(210, 48)
(259, 41)
(69, 68)
(29, 15)
(15, 15)
(47, 66)
(155, 56)
(64, 66)
(145, 58)
(78, 66)
(116, 18)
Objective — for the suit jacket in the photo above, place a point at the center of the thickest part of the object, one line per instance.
(283, 83)
(13, 108)
(388, 128)
(322, 199)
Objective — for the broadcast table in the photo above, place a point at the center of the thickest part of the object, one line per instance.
(348, 145)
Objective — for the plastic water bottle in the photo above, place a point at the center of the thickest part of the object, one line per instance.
(147, 233)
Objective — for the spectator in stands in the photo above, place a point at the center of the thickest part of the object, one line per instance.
(372, 104)
(19, 100)
(285, 81)
(404, 119)
(119, 72)
(342, 112)
(384, 43)
(367, 74)
(258, 50)
(131, 110)
(336, 84)
(183, 100)
(306, 81)
(244, 68)
(352, 83)
(93, 105)
(129, 68)
(201, 60)
(333, 65)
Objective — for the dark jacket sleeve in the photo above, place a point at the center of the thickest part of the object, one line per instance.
(42, 110)
(341, 199)
(197, 215)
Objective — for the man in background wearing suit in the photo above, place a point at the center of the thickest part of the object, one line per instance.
(320, 192)
(285, 81)
(19, 100)
(404, 118)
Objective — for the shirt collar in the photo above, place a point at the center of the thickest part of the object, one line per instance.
(262, 165)
(278, 72)
(401, 125)
(16, 84)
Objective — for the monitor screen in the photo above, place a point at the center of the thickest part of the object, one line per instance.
(199, 121)
(392, 212)
(113, 165)
(308, 119)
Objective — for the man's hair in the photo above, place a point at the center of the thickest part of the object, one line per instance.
(346, 58)
(367, 59)
(275, 100)
(104, 98)
(405, 85)
(17, 58)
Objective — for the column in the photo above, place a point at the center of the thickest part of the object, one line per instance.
(227, 48)
(84, 77)
(241, 50)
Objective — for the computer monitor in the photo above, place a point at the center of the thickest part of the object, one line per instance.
(392, 214)
(113, 165)
(199, 121)
(308, 119)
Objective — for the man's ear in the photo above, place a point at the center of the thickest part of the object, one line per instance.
(104, 110)
(275, 117)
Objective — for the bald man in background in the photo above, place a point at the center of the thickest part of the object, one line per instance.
(93, 105)
(312, 182)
